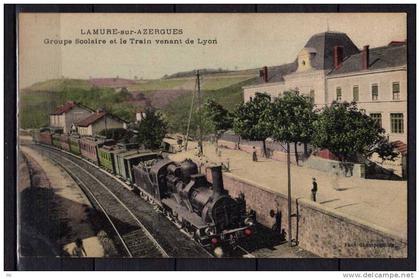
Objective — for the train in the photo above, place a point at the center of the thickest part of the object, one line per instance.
(201, 208)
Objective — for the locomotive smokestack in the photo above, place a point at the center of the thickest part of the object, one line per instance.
(217, 177)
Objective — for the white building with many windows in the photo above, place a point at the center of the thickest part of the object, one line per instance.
(331, 68)
(67, 114)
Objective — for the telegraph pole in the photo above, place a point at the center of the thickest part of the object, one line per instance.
(189, 118)
(200, 131)
(289, 198)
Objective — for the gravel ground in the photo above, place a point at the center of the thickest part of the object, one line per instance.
(63, 210)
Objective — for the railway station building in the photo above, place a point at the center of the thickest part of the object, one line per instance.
(331, 67)
(66, 115)
(97, 122)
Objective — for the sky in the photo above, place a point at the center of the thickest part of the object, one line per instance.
(243, 41)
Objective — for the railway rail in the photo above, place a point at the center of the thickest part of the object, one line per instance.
(139, 229)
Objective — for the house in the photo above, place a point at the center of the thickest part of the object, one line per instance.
(331, 67)
(66, 115)
(96, 122)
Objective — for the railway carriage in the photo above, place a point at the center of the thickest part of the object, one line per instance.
(106, 157)
(74, 144)
(42, 136)
(88, 148)
(128, 159)
(64, 142)
(35, 136)
(56, 140)
(45, 137)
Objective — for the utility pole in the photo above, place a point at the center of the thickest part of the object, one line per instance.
(200, 129)
(189, 118)
(289, 198)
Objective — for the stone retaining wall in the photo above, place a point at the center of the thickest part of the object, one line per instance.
(336, 167)
(320, 230)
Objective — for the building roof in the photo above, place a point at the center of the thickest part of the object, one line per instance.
(324, 44)
(400, 146)
(96, 116)
(64, 108)
(91, 119)
(392, 55)
(276, 73)
(68, 106)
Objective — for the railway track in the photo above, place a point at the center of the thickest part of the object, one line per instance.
(139, 229)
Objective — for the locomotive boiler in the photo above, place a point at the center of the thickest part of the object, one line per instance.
(205, 210)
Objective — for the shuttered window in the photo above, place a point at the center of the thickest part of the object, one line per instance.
(375, 92)
(397, 123)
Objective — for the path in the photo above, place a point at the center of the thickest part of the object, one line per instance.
(71, 206)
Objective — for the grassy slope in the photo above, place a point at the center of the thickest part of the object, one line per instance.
(177, 112)
(55, 85)
(37, 101)
(209, 82)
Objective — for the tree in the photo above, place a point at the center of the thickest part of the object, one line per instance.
(152, 129)
(346, 131)
(249, 122)
(385, 150)
(292, 117)
(218, 117)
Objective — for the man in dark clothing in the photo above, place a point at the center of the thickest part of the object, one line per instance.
(254, 154)
(314, 189)
(79, 250)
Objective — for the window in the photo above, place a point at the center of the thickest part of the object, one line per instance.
(378, 118)
(397, 123)
(395, 91)
(312, 96)
(375, 92)
(338, 93)
(355, 93)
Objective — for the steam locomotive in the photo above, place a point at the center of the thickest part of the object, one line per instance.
(203, 209)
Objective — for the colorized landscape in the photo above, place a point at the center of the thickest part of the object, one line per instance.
(124, 97)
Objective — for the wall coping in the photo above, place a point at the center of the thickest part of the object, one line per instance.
(315, 157)
(352, 219)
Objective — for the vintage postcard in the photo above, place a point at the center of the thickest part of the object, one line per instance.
(234, 135)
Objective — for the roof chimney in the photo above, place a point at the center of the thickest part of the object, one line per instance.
(338, 56)
(264, 73)
(365, 57)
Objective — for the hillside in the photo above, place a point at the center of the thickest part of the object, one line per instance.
(168, 94)
(56, 85)
(177, 112)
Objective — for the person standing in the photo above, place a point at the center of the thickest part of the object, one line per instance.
(254, 154)
(79, 250)
(314, 188)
